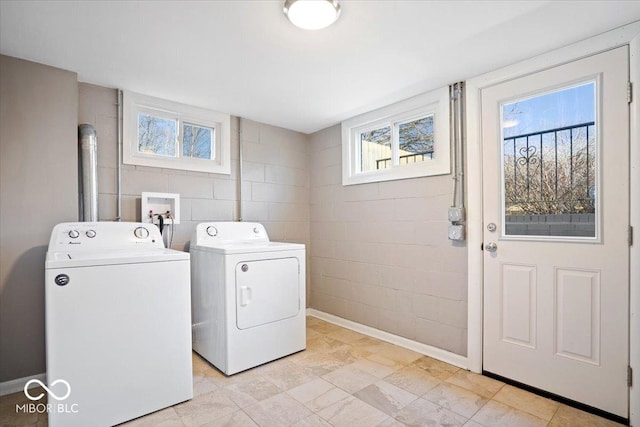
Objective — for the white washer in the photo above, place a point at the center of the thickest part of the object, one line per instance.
(248, 295)
(117, 323)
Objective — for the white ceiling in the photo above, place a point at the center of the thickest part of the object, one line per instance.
(246, 59)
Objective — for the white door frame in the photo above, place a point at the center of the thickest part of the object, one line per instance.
(626, 35)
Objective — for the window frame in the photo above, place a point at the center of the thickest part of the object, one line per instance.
(220, 123)
(434, 103)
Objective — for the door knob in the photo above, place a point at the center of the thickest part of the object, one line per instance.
(491, 247)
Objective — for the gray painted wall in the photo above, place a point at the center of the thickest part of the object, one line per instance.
(380, 254)
(38, 187)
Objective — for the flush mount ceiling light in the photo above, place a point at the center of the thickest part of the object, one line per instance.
(312, 14)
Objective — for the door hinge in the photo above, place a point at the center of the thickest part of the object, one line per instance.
(630, 237)
(629, 91)
(629, 376)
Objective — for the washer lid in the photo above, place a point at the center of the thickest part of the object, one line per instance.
(229, 248)
(112, 257)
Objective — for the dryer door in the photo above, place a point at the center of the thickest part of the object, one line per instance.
(266, 291)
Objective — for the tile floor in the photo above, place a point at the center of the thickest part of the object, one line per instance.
(347, 379)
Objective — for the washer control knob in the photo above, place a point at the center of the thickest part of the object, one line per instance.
(141, 233)
(212, 231)
(74, 234)
(91, 234)
(256, 230)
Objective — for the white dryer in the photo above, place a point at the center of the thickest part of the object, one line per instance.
(248, 295)
(118, 321)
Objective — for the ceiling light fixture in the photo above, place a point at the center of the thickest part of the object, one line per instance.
(312, 14)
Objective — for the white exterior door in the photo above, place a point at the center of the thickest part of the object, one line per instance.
(556, 218)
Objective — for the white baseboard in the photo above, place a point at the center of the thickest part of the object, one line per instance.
(427, 350)
(16, 385)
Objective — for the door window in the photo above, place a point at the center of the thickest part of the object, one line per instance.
(549, 164)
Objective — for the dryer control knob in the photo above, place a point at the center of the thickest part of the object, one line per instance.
(141, 233)
(91, 234)
(74, 234)
(256, 230)
(212, 231)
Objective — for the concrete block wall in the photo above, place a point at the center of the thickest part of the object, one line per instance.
(380, 254)
(275, 169)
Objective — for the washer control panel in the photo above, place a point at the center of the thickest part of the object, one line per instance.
(71, 236)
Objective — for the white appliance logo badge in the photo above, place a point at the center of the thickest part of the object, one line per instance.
(40, 408)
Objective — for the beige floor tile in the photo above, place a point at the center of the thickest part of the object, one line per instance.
(345, 335)
(385, 360)
(236, 419)
(347, 364)
(251, 392)
(320, 363)
(421, 412)
(352, 412)
(398, 354)
(309, 391)
(279, 410)
(527, 402)
(391, 422)
(312, 333)
(202, 368)
(350, 379)
(373, 367)
(204, 385)
(314, 321)
(350, 353)
(385, 397)
(484, 386)
(456, 399)
(312, 421)
(290, 376)
(163, 418)
(567, 416)
(324, 344)
(205, 408)
(324, 327)
(496, 414)
(297, 356)
(436, 368)
(318, 394)
(413, 379)
(368, 342)
(273, 365)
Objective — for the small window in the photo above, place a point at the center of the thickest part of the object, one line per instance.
(375, 149)
(157, 135)
(404, 140)
(197, 141)
(416, 140)
(160, 133)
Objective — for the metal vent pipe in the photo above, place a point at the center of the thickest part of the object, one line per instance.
(88, 156)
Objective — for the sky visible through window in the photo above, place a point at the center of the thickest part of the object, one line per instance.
(556, 109)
